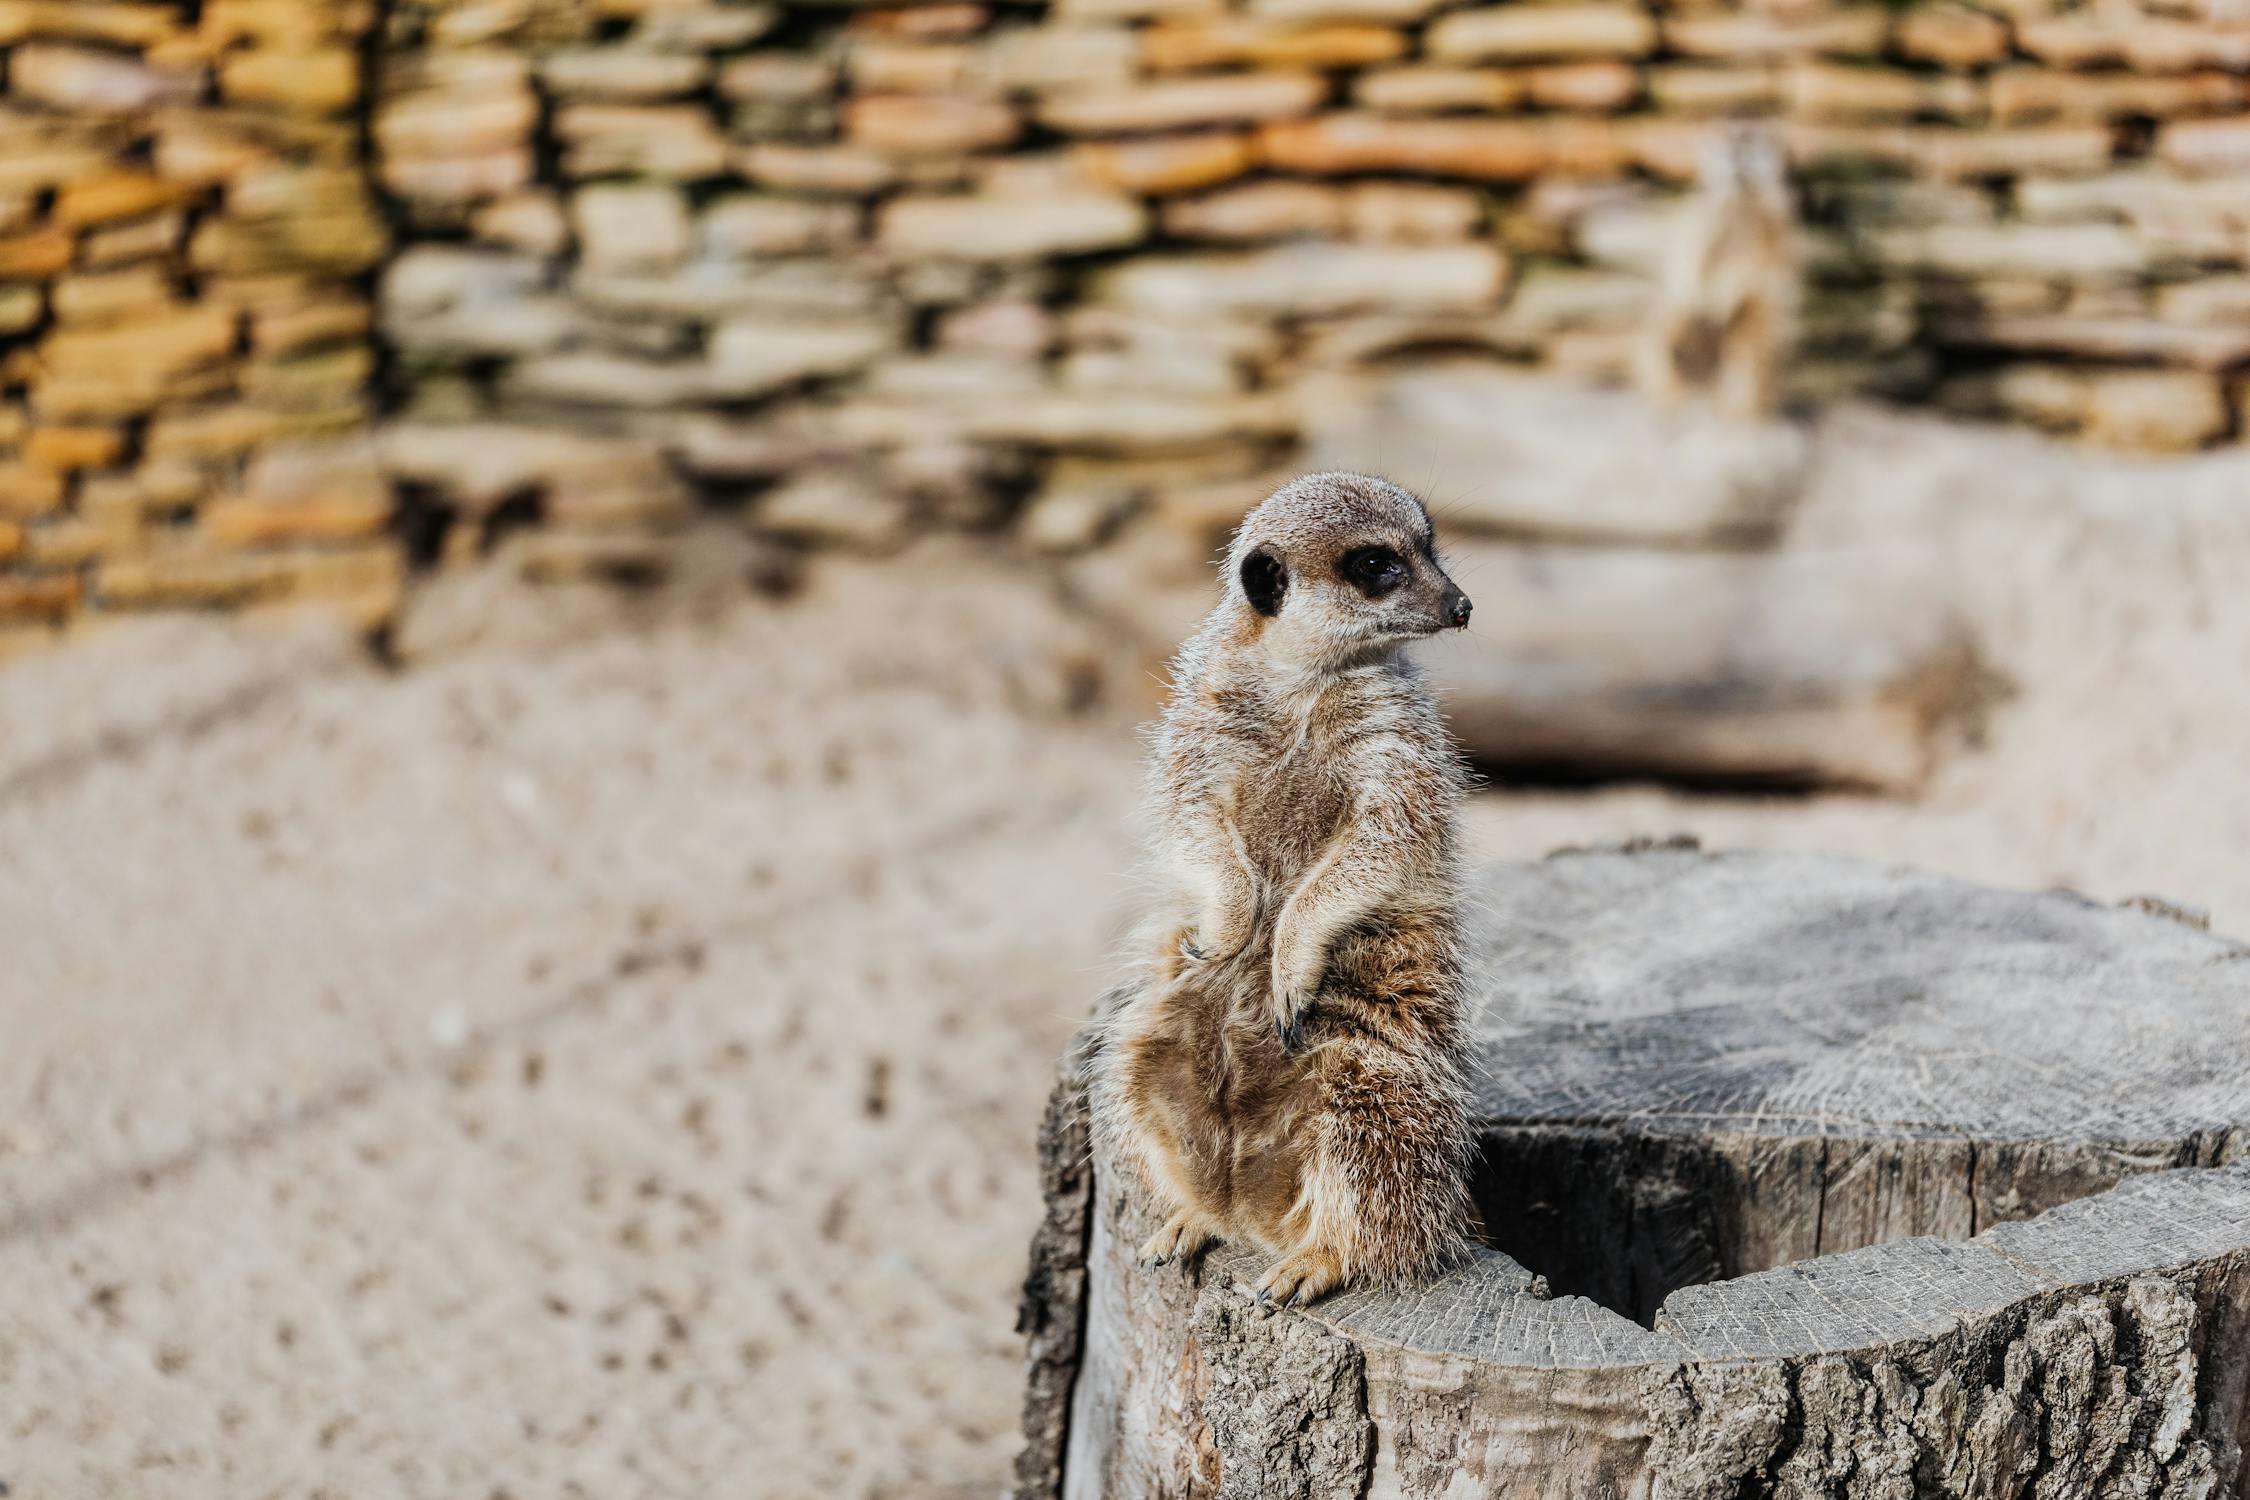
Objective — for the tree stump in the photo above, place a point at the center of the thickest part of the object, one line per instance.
(1802, 1176)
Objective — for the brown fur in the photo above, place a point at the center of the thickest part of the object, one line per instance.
(1287, 1071)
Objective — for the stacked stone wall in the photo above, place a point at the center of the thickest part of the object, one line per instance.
(855, 272)
(187, 243)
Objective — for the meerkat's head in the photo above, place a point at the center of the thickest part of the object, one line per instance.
(1337, 568)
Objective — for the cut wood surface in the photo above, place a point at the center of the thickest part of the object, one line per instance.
(1806, 1177)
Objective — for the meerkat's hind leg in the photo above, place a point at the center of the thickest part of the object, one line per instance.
(1186, 1235)
(1306, 1274)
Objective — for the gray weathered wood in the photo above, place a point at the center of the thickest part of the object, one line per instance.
(1876, 1184)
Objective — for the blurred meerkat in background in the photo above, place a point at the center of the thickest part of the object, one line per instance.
(1730, 283)
(1286, 1070)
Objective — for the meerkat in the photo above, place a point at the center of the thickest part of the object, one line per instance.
(1730, 283)
(1288, 1070)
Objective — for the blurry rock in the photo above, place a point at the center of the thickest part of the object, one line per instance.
(673, 141)
(943, 20)
(533, 323)
(1501, 451)
(1172, 103)
(836, 509)
(776, 76)
(96, 82)
(1399, 12)
(1953, 35)
(492, 118)
(1524, 31)
(1595, 84)
(1494, 150)
(1010, 228)
(748, 225)
(2217, 299)
(594, 557)
(591, 377)
(2021, 95)
(1412, 213)
(1422, 90)
(2150, 410)
(737, 448)
(2213, 347)
(2207, 145)
(955, 379)
(322, 80)
(1171, 367)
(1692, 90)
(1953, 154)
(122, 193)
(478, 465)
(754, 356)
(2070, 250)
(1828, 668)
(1269, 209)
(1816, 91)
(21, 307)
(1311, 280)
(1073, 518)
(911, 125)
(1009, 328)
(2168, 410)
(1189, 44)
(1151, 584)
(42, 252)
(707, 290)
(532, 222)
(429, 278)
(1857, 31)
(1061, 56)
(629, 74)
(704, 28)
(1128, 423)
(1167, 164)
(631, 228)
(28, 490)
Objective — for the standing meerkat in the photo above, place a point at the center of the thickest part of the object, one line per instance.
(1287, 1070)
(1730, 283)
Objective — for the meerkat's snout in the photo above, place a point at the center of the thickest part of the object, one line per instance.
(1458, 609)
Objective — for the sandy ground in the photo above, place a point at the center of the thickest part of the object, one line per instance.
(602, 1058)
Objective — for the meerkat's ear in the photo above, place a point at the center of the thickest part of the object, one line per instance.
(1264, 581)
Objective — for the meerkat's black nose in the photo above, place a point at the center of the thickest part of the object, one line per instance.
(1459, 613)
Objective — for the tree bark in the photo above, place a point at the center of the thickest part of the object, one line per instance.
(1802, 1177)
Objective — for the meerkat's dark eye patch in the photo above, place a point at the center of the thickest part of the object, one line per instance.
(1374, 571)
(1264, 581)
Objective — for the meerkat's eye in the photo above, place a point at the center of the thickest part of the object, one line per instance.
(1374, 571)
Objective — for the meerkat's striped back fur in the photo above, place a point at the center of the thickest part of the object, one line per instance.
(1287, 1067)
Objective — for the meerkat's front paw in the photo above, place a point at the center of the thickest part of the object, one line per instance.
(1215, 938)
(1293, 993)
(1184, 1236)
(1305, 1276)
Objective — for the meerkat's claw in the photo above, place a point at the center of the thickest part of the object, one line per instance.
(1183, 1237)
(1306, 1276)
(1289, 1023)
(1291, 1032)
